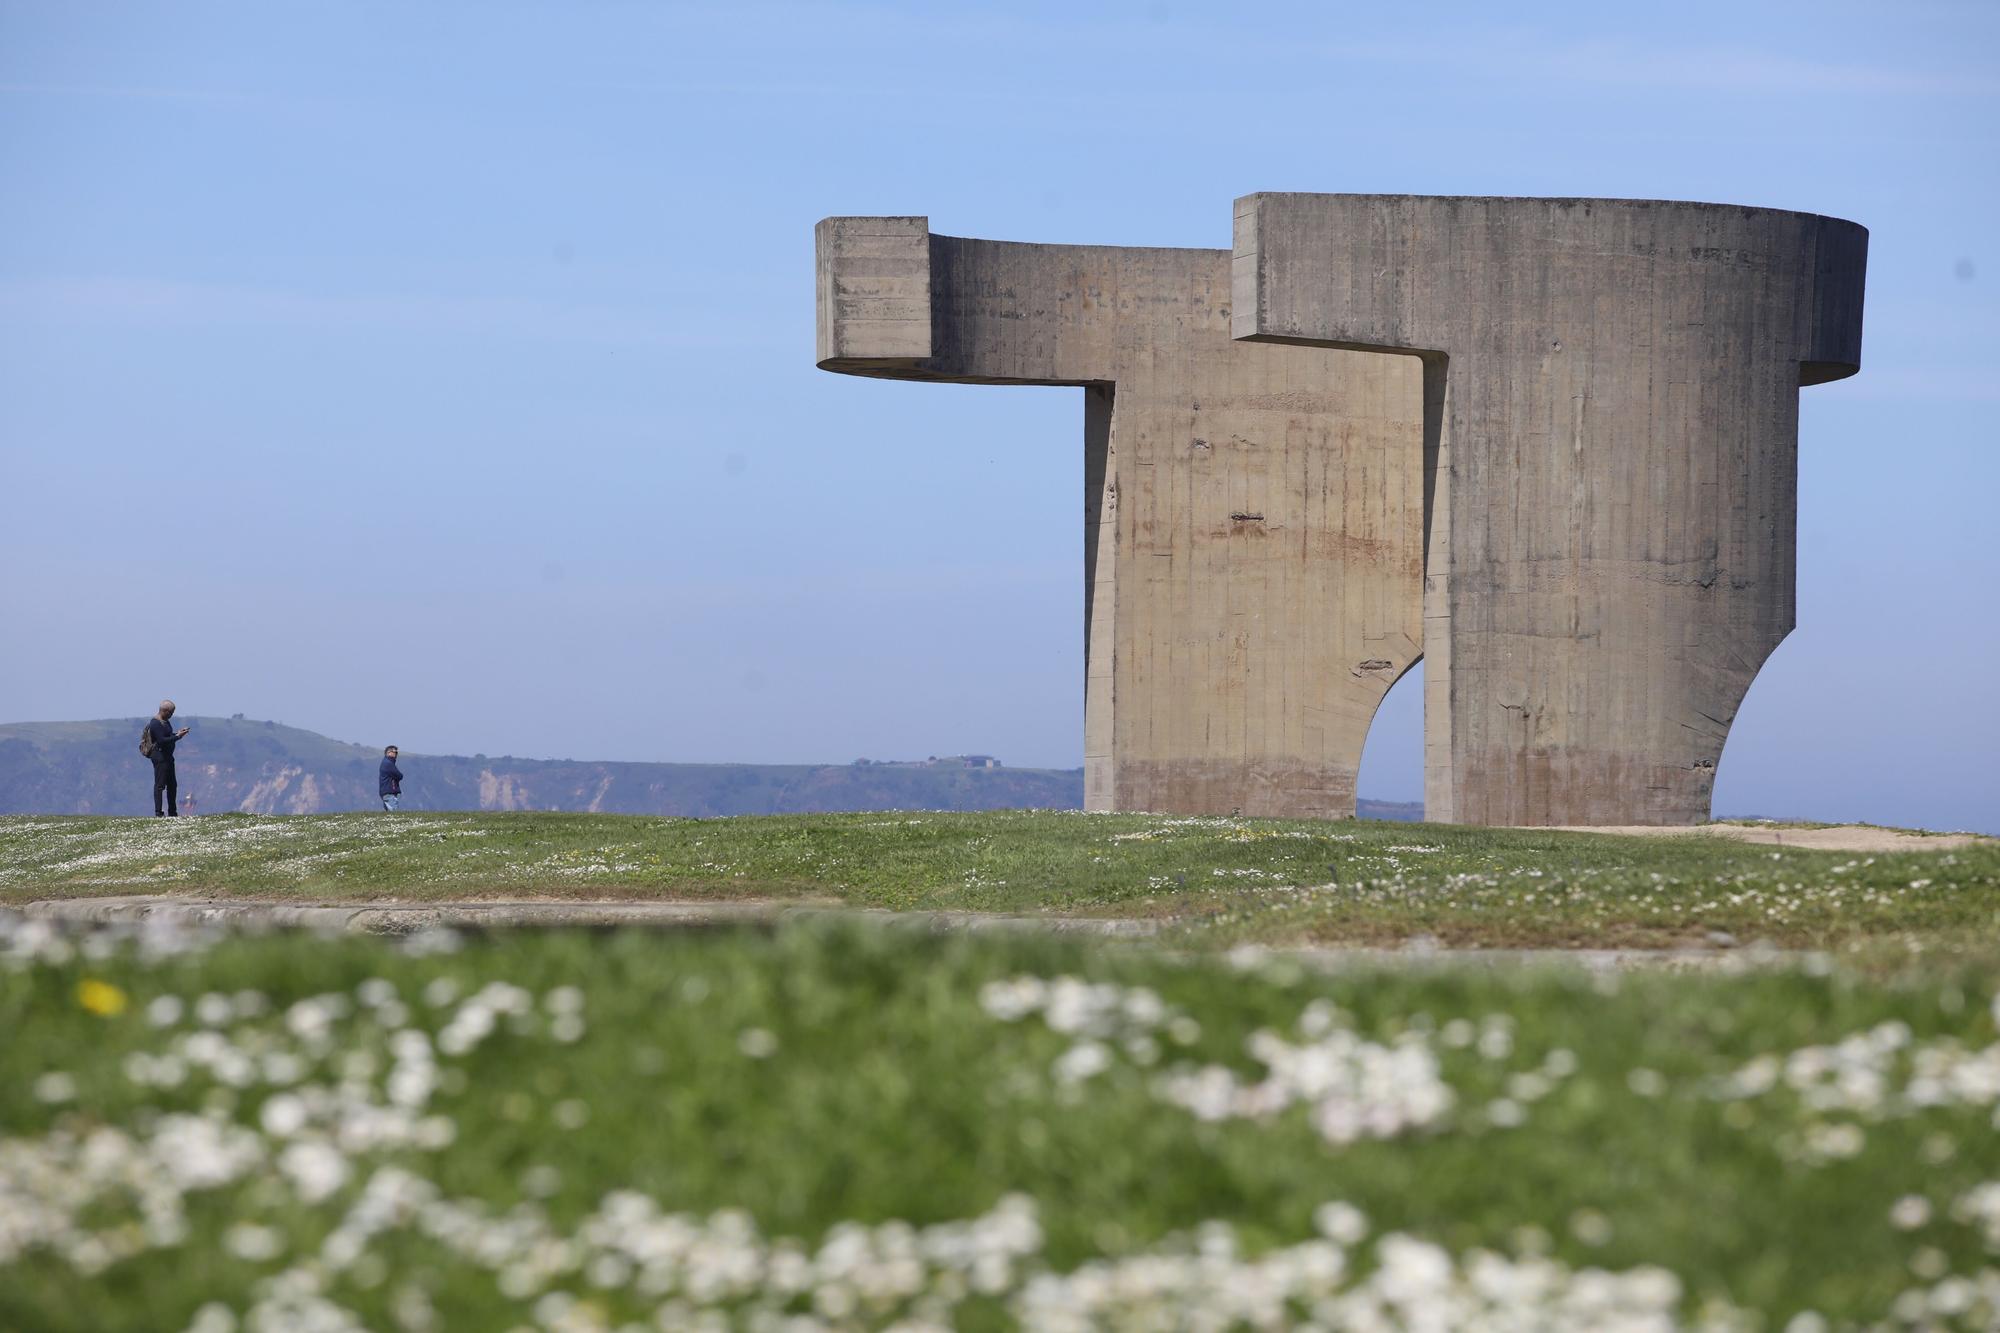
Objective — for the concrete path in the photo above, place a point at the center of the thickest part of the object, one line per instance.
(1597, 960)
(1838, 838)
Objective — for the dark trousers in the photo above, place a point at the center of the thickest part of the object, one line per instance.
(164, 781)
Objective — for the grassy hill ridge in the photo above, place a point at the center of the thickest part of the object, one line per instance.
(268, 768)
(257, 767)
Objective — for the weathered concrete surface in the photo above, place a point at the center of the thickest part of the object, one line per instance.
(1575, 493)
(1252, 514)
(1612, 400)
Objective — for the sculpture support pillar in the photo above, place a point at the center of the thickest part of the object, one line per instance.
(1253, 515)
(1611, 555)
(1439, 789)
(1100, 601)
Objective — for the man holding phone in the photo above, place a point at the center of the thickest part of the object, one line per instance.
(161, 732)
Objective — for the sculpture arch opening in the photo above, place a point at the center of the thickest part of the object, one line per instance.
(1392, 759)
(1746, 734)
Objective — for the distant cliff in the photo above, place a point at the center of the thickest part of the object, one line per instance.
(265, 768)
(91, 768)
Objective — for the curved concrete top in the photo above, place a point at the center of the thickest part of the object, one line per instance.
(1430, 273)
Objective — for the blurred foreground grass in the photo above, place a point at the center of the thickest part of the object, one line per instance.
(293, 1132)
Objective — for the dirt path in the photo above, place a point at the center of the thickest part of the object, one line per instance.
(400, 918)
(1839, 838)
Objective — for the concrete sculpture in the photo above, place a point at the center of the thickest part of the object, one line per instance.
(1615, 395)
(1547, 445)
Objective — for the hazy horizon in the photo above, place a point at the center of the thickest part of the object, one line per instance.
(184, 718)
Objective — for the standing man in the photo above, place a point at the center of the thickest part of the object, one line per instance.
(160, 731)
(389, 786)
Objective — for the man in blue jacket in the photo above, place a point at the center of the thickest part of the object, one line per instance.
(389, 786)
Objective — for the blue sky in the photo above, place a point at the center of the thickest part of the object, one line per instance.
(443, 374)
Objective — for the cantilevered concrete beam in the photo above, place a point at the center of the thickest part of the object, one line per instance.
(1613, 386)
(1252, 514)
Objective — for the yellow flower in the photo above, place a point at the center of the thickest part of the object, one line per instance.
(100, 997)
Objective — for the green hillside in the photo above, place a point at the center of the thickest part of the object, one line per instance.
(267, 768)
(94, 768)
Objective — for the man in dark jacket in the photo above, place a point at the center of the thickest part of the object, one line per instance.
(389, 786)
(164, 738)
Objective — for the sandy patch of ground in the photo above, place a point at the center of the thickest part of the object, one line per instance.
(1839, 838)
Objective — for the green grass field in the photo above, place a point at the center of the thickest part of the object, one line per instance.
(862, 1127)
(834, 1123)
(1224, 880)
